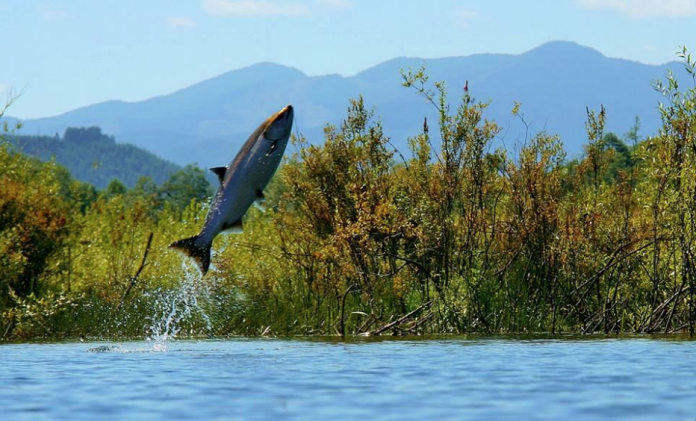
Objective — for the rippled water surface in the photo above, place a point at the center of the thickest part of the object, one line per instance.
(421, 379)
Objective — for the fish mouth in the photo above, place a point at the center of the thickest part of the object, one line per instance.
(286, 112)
(280, 125)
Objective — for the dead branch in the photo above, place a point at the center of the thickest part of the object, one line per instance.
(413, 328)
(397, 322)
(134, 278)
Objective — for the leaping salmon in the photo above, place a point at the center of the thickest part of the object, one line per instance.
(241, 184)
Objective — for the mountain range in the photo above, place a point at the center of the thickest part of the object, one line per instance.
(555, 82)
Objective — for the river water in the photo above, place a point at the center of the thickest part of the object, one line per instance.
(314, 379)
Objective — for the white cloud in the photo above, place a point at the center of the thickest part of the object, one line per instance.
(463, 18)
(252, 8)
(644, 9)
(4, 87)
(181, 22)
(338, 4)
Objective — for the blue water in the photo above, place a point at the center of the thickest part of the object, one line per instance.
(429, 379)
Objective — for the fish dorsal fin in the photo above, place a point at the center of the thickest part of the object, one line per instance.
(220, 172)
(235, 227)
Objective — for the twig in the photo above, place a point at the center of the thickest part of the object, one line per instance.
(9, 327)
(397, 322)
(680, 328)
(674, 305)
(661, 309)
(134, 278)
(613, 261)
(413, 262)
(369, 322)
(343, 310)
(420, 322)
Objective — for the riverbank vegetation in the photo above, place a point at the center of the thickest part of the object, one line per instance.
(457, 235)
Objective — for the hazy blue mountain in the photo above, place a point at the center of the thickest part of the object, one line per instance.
(10, 121)
(207, 122)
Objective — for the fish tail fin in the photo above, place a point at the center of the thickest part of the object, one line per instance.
(200, 253)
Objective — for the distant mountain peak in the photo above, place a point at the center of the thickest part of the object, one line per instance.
(272, 65)
(264, 69)
(564, 49)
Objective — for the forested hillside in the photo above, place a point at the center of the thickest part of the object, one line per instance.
(96, 158)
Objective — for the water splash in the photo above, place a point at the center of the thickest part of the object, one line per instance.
(176, 311)
(176, 308)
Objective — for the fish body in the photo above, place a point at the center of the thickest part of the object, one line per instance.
(241, 184)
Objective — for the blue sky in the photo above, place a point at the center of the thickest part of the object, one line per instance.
(70, 53)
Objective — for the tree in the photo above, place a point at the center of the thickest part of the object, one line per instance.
(115, 188)
(185, 185)
(33, 222)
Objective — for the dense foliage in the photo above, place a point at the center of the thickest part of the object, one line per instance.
(64, 245)
(96, 158)
(359, 239)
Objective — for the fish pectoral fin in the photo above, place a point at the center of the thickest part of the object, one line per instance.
(260, 201)
(220, 172)
(234, 228)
